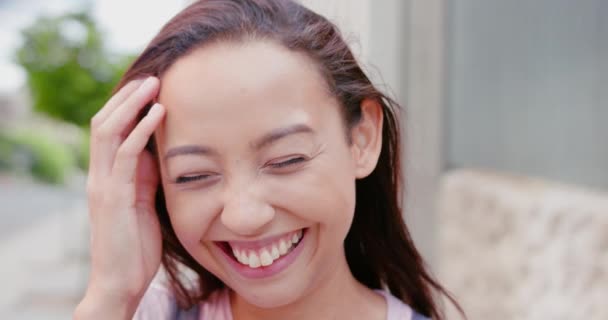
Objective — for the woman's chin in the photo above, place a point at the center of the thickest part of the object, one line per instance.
(269, 297)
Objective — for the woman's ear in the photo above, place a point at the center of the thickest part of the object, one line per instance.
(367, 138)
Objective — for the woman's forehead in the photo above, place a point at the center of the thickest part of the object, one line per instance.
(228, 84)
(225, 74)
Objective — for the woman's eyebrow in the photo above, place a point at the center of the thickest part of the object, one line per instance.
(280, 133)
(189, 150)
(262, 142)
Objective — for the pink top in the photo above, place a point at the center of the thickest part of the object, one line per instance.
(159, 303)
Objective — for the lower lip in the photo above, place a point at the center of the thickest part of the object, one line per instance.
(264, 272)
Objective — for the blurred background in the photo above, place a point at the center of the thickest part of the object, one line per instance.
(505, 155)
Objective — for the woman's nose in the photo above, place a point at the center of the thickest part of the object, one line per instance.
(245, 212)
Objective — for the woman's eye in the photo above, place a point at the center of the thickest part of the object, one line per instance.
(288, 162)
(186, 179)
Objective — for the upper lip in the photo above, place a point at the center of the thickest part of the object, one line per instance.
(256, 244)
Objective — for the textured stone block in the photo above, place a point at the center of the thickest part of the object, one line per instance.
(518, 248)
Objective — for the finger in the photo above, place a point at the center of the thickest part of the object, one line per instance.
(119, 120)
(102, 115)
(147, 177)
(111, 134)
(115, 101)
(125, 164)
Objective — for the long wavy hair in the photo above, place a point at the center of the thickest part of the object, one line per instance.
(379, 249)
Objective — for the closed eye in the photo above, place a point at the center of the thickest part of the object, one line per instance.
(186, 179)
(289, 162)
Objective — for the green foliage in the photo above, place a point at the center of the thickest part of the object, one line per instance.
(70, 76)
(45, 158)
(81, 151)
(6, 148)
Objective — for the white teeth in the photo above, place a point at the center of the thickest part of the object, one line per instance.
(243, 258)
(265, 258)
(254, 260)
(274, 253)
(282, 247)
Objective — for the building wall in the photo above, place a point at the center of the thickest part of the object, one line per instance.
(528, 88)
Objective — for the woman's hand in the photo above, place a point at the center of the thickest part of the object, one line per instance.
(121, 187)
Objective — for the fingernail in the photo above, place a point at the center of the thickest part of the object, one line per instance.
(148, 83)
(156, 108)
(138, 82)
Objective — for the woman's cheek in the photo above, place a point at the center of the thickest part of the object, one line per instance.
(191, 216)
(314, 194)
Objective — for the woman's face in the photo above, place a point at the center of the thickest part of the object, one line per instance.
(257, 173)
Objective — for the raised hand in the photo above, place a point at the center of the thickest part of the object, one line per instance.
(123, 178)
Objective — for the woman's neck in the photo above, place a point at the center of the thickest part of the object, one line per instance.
(340, 296)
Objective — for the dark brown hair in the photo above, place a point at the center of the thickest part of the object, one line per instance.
(379, 249)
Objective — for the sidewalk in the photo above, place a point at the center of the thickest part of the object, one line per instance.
(43, 266)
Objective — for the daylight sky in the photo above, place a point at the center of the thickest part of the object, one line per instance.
(129, 25)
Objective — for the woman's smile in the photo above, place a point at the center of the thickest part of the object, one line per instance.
(265, 257)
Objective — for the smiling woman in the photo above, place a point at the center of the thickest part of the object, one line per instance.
(271, 170)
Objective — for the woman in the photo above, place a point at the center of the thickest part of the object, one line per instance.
(271, 171)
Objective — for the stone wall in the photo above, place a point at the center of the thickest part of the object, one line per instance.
(518, 248)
